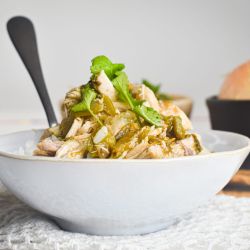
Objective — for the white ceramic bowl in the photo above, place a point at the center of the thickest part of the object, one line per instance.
(119, 197)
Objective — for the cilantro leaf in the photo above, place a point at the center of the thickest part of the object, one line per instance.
(149, 114)
(121, 85)
(100, 63)
(88, 95)
(154, 88)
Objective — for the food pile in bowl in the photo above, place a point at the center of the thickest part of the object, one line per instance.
(109, 117)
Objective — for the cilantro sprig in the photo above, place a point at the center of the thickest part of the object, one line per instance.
(100, 63)
(121, 84)
(88, 95)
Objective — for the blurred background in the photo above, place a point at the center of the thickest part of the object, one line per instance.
(188, 46)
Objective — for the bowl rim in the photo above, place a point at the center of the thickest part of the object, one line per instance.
(214, 98)
(53, 159)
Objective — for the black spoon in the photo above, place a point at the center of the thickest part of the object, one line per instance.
(22, 35)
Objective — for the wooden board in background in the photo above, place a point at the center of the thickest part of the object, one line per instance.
(239, 186)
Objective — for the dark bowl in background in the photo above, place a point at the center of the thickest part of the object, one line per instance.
(230, 115)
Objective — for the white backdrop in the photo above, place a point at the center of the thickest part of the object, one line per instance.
(188, 46)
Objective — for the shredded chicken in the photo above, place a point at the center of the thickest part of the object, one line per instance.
(105, 86)
(71, 149)
(168, 109)
(189, 145)
(137, 150)
(48, 146)
(147, 95)
(102, 150)
(177, 150)
(153, 152)
(88, 127)
(155, 131)
(121, 106)
(71, 98)
(77, 123)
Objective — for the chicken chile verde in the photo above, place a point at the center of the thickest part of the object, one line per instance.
(110, 117)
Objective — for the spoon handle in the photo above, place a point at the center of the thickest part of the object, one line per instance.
(22, 35)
